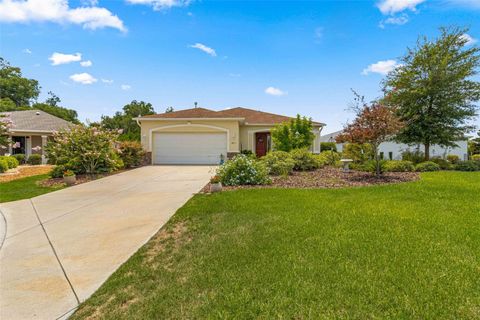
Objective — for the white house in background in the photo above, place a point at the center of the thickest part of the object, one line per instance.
(393, 151)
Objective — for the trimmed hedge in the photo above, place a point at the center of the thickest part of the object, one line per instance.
(427, 166)
(34, 159)
(11, 161)
(304, 160)
(470, 165)
(398, 166)
(20, 158)
(3, 166)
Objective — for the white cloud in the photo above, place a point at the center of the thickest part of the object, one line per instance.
(58, 11)
(126, 87)
(27, 51)
(395, 6)
(86, 63)
(470, 40)
(63, 58)
(381, 67)
(107, 81)
(83, 78)
(275, 91)
(161, 4)
(204, 48)
(398, 20)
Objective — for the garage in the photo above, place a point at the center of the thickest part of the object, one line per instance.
(189, 148)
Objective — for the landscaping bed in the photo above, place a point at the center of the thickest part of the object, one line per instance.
(80, 178)
(329, 177)
(24, 171)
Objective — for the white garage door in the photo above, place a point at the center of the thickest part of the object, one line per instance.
(189, 148)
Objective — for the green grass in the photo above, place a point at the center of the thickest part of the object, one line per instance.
(24, 188)
(407, 251)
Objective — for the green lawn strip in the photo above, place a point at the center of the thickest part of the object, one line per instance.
(401, 251)
(24, 188)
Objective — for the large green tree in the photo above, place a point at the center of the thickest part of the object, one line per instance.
(124, 120)
(13, 86)
(433, 89)
(51, 106)
(294, 134)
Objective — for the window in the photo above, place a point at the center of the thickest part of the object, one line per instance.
(390, 155)
(381, 155)
(20, 142)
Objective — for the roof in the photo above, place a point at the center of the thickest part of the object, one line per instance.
(35, 120)
(330, 137)
(250, 116)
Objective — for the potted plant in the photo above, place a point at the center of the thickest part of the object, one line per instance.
(215, 184)
(69, 177)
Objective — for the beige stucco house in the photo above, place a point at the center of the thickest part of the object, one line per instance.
(203, 136)
(31, 130)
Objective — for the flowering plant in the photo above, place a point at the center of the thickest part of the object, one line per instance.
(215, 179)
(243, 170)
(68, 173)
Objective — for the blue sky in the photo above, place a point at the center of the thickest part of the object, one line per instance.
(284, 57)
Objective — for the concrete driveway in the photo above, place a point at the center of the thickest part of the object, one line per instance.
(60, 247)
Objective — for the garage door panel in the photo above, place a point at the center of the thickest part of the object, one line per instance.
(189, 148)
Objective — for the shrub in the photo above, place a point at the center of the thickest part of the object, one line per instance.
(295, 134)
(3, 165)
(85, 150)
(453, 158)
(475, 157)
(427, 166)
(368, 166)
(34, 159)
(242, 170)
(248, 153)
(131, 153)
(304, 159)
(279, 162)
(413, 156)
(326, 146)
(57, 171)
(444, 164)
(11, 161)
(398, 166)
(358, 152)
(468, 166)
(20, 158)
(329, 158)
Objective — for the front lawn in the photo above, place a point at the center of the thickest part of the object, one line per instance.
(25, 188)
(408, 251)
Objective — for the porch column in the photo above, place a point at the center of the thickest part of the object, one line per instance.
(10, 150)
(44, 143)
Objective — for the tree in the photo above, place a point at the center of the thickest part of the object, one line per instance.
(124, 120)
(52, 100)
(20, 90)
(5, 124)
(374, 124)
(295, 134)
(433, 90)
(474, 145)
(169, 110)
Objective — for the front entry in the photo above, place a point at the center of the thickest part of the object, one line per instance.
(262, 143)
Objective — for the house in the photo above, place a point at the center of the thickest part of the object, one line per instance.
(203, 136)
(31, 130)
(393, 151)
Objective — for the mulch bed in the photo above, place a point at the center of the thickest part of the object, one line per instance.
(330, 178)
(24, 171)
(82, 178)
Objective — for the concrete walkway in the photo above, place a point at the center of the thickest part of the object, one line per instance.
(60, 247)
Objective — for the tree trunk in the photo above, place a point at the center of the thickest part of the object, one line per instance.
(377, 160)
(427, 151)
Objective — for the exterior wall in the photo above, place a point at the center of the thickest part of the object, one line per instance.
(247, 137)
(435, 151)
(148, 127)
(33, 139)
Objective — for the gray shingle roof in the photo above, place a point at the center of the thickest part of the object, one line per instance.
(330, 137)
(36, 120)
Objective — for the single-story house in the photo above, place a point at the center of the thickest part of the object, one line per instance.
(392, 150)
(203, 136)
(31, 130)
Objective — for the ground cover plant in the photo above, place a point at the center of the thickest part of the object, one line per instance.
(404, 251)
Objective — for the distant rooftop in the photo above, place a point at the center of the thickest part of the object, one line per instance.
(35, 120)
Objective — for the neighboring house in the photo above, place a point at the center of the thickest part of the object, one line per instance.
(203, 136)
(393, 151)
(31, 130)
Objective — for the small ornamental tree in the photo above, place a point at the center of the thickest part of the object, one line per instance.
(5, 124)
(295, 134)
(373, 124)
(85, 150)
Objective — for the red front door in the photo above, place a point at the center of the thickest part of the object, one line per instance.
(261, 143)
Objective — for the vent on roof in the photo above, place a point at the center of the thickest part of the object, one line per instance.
(37, 113)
